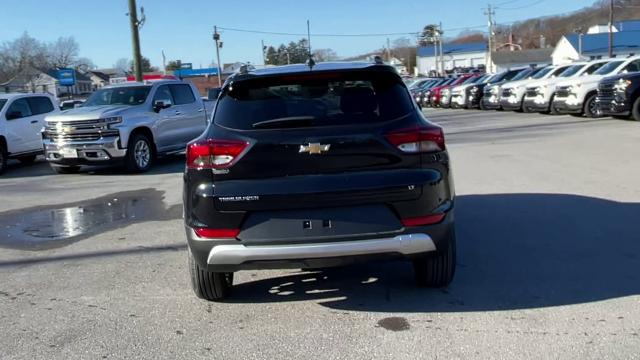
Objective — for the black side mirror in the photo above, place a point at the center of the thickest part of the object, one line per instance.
(161, 104)
(14, 115)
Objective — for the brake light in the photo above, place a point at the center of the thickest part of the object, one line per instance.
(418, 139)
(214, 153)
(217, 233)
(423, 220)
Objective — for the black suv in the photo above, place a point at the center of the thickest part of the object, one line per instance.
(307, 167)
(619, 96)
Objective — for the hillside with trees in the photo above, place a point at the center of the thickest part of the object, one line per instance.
(527, 33)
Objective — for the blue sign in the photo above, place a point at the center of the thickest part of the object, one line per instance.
(195, 72)
(67, 77)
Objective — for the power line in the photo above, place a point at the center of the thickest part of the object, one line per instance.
(411, 33)
(522, 7)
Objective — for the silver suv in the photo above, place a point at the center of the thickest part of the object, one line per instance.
(127, 123)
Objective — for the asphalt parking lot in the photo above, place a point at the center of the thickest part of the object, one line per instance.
(548, 242)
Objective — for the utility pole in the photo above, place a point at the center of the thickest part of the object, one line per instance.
(388, 51)
(264, 57)
(440, 32)
(435, 56)
(610, 28)
(490, 13)
(216, 38)
(135, 39)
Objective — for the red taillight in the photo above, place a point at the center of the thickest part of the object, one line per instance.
(423, 220)
(214, 153)
(217, 233)
(418, 139)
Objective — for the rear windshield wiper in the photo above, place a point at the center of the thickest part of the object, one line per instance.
(286, 122)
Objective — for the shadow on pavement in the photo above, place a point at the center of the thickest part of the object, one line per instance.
(515, 251)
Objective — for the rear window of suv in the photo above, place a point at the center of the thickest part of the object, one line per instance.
(306, 100)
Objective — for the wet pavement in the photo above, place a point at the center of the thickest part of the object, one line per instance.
(44, 228)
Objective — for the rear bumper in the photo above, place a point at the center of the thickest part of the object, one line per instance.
(232, 255)
(103, 151)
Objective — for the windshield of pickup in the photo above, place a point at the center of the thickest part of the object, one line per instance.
(129, 95)
(608, 68)
(2, 102)
(323, 99)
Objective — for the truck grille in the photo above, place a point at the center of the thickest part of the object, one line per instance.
(507, 92)
(605, 90)
(83, 130)
(531, 92)
(562, 92)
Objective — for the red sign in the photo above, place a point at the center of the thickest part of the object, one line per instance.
(153, 77)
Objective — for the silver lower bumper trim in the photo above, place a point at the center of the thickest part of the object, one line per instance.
(239, 254)
(98, 150)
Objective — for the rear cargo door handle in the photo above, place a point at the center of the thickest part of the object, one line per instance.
(34, 121)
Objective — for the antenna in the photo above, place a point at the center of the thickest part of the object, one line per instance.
(311, 63)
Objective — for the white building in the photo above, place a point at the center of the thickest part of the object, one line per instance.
(455, 56)
(574, 47)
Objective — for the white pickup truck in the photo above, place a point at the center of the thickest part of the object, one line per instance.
(578, 96)
(21, 121)
(540, 94)
(126, 124)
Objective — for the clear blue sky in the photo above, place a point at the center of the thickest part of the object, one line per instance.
(183, 28)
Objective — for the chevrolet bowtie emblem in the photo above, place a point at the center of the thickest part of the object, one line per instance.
(314, 148)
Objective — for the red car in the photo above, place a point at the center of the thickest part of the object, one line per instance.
(436, 93)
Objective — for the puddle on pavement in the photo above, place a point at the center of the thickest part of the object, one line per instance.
(394, 324)
(49, 227)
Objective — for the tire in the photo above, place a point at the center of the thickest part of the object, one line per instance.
(437, 270)
(635, 110)
(482, 107)
(590, 107)
(552, 110)
(140, 154)
(27, 159)
(62, 169)
(207, 285)
(3, 157)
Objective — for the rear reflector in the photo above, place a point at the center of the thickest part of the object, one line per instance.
(214, 153)
(418, 139)
(217, 233)
(423, 220)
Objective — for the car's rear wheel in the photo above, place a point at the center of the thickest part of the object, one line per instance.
(139, 154)
(3, 157)
(208, 285)
(27, 159)
(635, 110)
(64, 169)
(438, 269)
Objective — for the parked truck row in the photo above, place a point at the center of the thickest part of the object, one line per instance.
(602, 87)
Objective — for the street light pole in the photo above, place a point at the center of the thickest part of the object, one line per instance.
(216, 37)
(610, 28)
(135, 39)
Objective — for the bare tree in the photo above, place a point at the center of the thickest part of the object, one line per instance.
(63, 52)
(325, 55)
(20, 54)
(123, 65)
